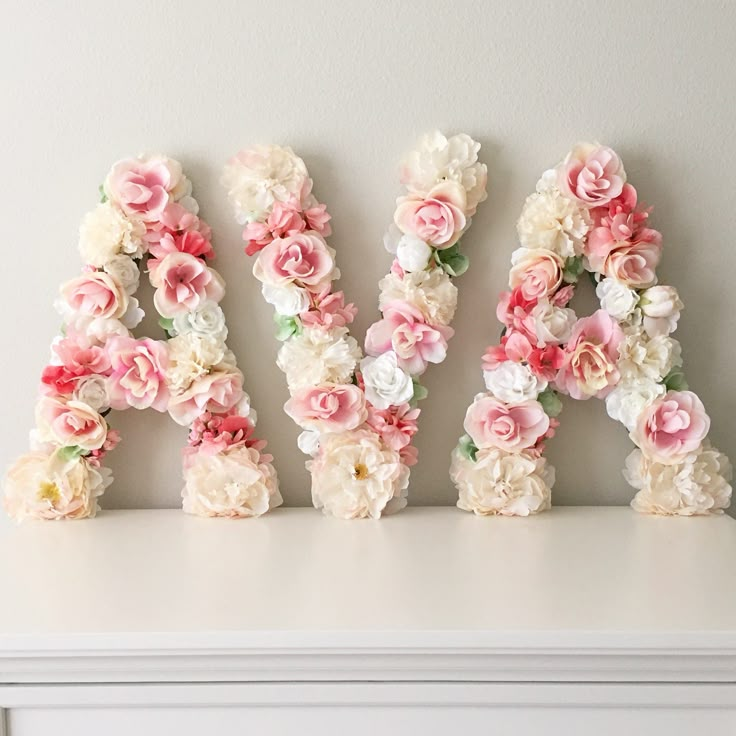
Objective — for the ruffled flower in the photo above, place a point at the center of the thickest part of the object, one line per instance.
(191, 356)
(106, 232)
(510, 427)
(431, 292)
(592, 174)
(437, 218)
(328, 309)
(629, 399)
(217, 391)
(513, 382)
(647, 358)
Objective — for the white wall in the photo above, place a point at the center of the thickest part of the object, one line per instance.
(350, 85)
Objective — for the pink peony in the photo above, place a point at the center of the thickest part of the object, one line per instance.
(138, 377)
(591, 357)
(671, 427)
(191, 241)
(537, 273)
(304, 259)
(404, 331)
(396, 425)
(95, 294)
(70, 424)
(328, 310)
(141, 188)
(592, 174)
(217, 392)
(183, 283)
(492, 423)
(328, 407)
(438, 219)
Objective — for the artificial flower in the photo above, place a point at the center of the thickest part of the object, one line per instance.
(510, 427)
(513, 382)
(208, 320)
(70, 424)
(106, 232)
(431, 292)
(660, 307)
(630, 398)
(386, 383)
(616, 298)
(183, 283)
(592, 174)
(537, 272)
(138, 376)
(437, 218)
(218, 391)
(330, 407)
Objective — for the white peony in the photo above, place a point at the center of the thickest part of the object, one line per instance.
(356, 476)
(288, 300)
(234, 483)
(499, 482)
(191, 356)
(106, 232)
(92, 390)
(413, 253)
(437, 158)
(647, 358)
(553, 222)
(386, 384)
(700, 484)
(660, 307)
(260, 176)
(616, 298)
(513, 383)
(431, 292)
(99, 329)
(207, 321)
(308, 442)
(125, 271)
(318, 356)
(552, 325)
(628, 400)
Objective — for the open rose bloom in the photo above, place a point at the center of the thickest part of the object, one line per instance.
(148, 222)
(585, 216)
(358, 414)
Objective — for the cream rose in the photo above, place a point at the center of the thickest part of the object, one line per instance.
(628, 400)
(537, 271)
(616, 298)
(125, 271)
(70, 424)
(513, 382)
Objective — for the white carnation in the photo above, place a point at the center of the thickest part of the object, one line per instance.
(628, 400)
(700, 484)
(553, 222)
(386, 384)
(191, 356)
(431, 292)
(318, 356)
(92, 390)
(106, 232)
(616, 298)
(513, 382)
(125, 271)
(552, 325)
(647, 358)
(207, 321)
(288, 300)
(660, 307)
(499, 482)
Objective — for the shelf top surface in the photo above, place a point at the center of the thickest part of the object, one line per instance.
(429, 574)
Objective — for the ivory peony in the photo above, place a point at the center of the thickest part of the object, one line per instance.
(106, 232)
(431, 292)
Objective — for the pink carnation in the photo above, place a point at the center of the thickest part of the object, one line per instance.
(328, 407)
(138, 377)
(592, 174)
(492, 423)
(438, 219)
(514, 310)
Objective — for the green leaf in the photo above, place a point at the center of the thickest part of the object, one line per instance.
(167, 324)
(286, 326)
(70, 452)
(420, 393)
(467, 448)
(675, 380)
(573, 268)
(103, 196)
(452, 260)
(550, 402)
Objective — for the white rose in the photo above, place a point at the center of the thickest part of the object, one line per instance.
(318, 356)
(513, 382)
(553, 325)
(92, 390)
(125, 271)
(308, 442)
(431, 292)
(288, 300)
(661, 306)
(413, 253)
(500, 482)
(106, 232)
(207, 321)
(647, 358)
(616, 298)
(99, 329)
(191, 356)
(628, 400)
(385, 383)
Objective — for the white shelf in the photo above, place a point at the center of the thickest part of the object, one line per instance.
(575, 594)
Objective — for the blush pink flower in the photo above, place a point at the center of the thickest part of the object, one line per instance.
(591, 357)
(96, 457)
(328, 309)
(594, 175)
(192, 242)
(217, 392)
(174, 220)
(81, 356)
(318, 219)
(537, 273)
(404, 331)
(183, 283)
(138, 377)
(304, 259)
(70, 424)
(141, 188)
(672, 427)
(56, 380)
(396, 425)
(213, 433)
(515, 346)
(438, 219)
(513, 311)
(329, 407)
(95, 294)
(492, 423)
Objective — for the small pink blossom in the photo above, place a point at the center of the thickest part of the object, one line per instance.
(404, 331)
(183, 282)
(328, 309)
(492, 423)
(328, 407)
(396, 425)
(592, 174)
(96, 457)
(190, 241)
(318, 219)
(514, 311)
(138, 377)
(216, 432)
(438, 219)
(515, 346)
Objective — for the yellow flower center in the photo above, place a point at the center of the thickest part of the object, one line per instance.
(48, 491)
(360, 472)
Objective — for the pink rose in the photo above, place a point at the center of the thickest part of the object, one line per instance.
(671, 427)
(328, 407)
(492, 423)
(141, 188)
(538, 272)
(81, 356)
(70, 423)
(183, 283)
(404, 331)
(191, 241)
(396, 425)
(138, 377)
(634, 264)
(216, 392)
(592, 174)
(591, 357)
(95, 294)
(438, 219)
(303, 258)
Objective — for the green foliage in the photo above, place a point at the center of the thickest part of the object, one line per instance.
(550, 402)
(420, 393)
(70, 452)
(452, 261)
(573, 269)
(675, 380)
(467, 448)
(286, 326)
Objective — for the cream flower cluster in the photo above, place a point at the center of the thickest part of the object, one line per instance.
(147, 214)
(358, 414)
(585, 216)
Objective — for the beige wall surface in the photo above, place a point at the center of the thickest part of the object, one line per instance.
(350, 85)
